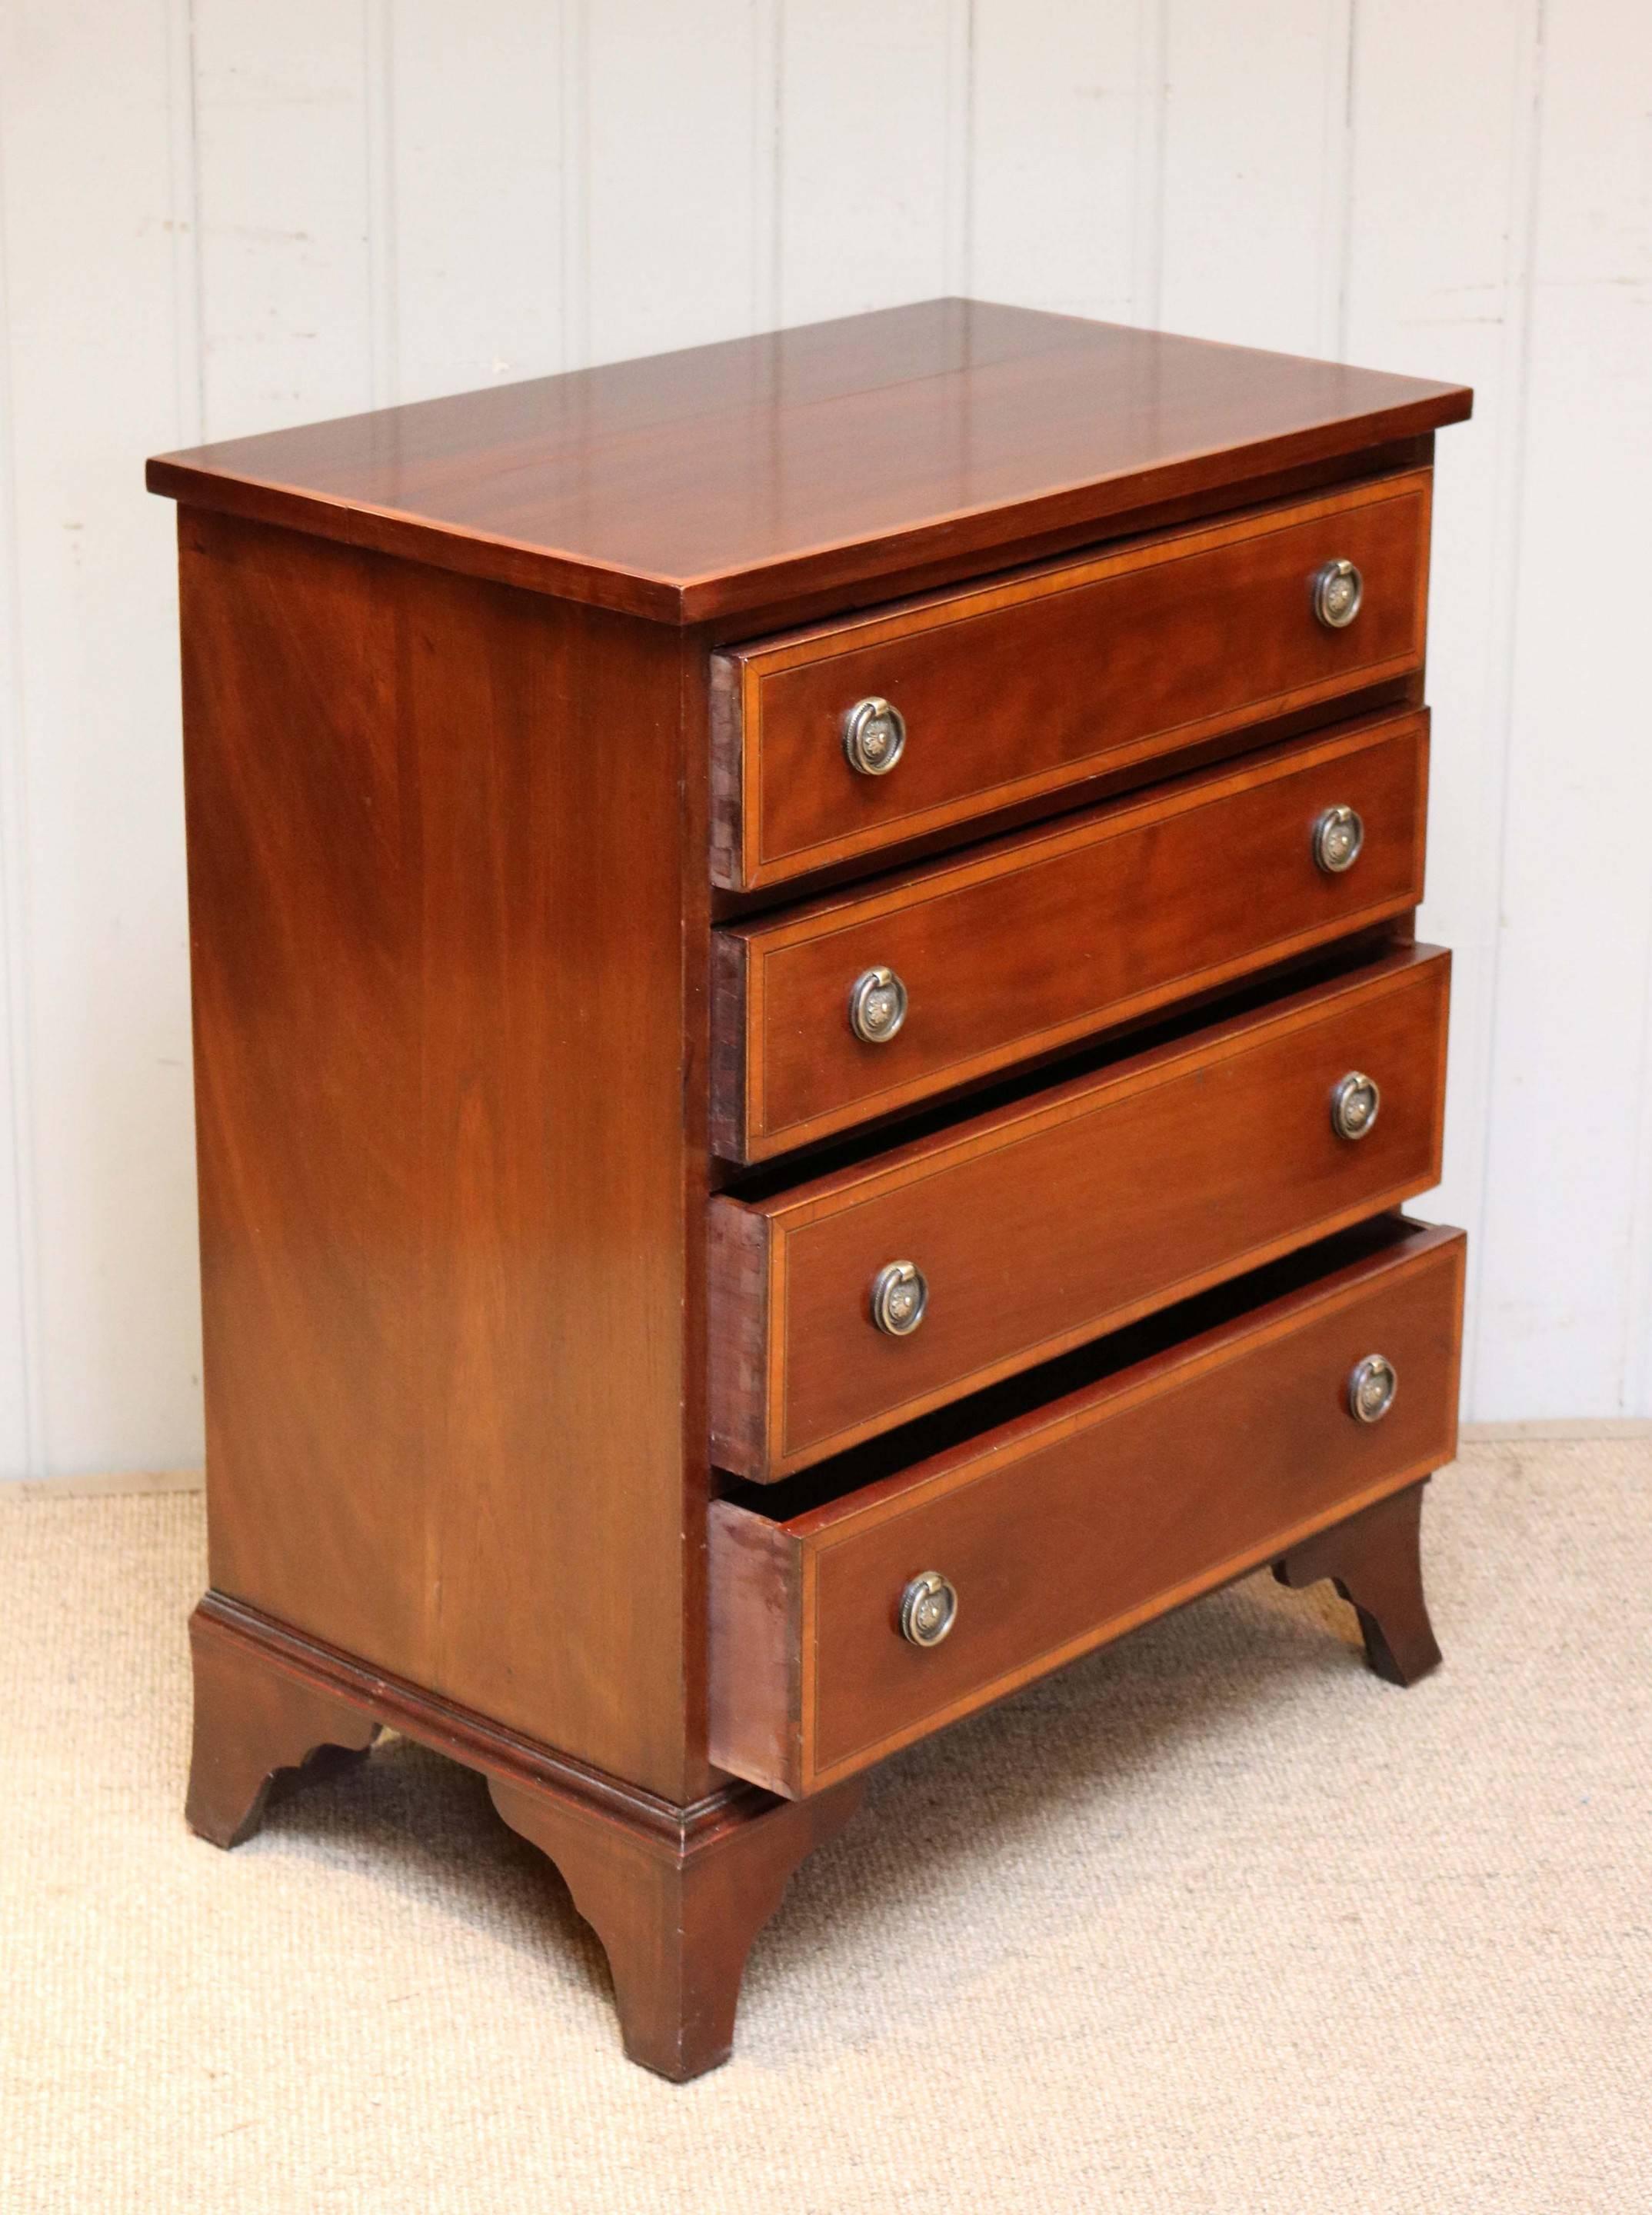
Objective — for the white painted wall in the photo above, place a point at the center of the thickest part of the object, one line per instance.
(217, 216)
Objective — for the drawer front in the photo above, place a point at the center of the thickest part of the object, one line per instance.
(1012, 691)
(1037, 940)
(1042, 1226)
(1066, 1527)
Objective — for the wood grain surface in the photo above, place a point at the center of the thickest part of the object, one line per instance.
(675, 1892)
(1033, 682)
(1375, 1562)
(443, 1183)
(1076, 1522)
(1037, 940)
(689, 485)
(491, 707)
(1045, 1223)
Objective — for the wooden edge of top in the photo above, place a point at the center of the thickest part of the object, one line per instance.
(979, 539)
(994, 531)
(419, 538)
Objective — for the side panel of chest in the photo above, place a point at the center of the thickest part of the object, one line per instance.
(437, 901)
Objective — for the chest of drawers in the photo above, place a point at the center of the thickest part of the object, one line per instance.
(808, 1048)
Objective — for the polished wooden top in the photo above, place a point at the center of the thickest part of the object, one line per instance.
(696, 485)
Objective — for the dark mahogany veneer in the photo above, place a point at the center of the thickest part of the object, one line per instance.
(527, 875)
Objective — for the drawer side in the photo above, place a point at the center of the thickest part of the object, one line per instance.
(757, 1648)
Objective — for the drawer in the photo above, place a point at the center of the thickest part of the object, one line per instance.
(1045, 1223)
(1180, 1467)
(1031, 943)
(1015, 689)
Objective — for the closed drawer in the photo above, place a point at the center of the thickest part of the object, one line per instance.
(1013, 690)
(1064, 1527)
(1041, 1224)
(1032, 942)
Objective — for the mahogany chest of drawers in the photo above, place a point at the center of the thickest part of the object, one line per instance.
(808, 1048)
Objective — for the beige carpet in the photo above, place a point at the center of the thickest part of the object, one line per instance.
(1214, 1922)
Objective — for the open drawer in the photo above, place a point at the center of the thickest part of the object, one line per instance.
(1023, 947)
(1173, 1457)
(1036, 1225)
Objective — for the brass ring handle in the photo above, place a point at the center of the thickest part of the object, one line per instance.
(877, 1006)
(1338, 837)
(900, 1293)
(1355, 1106)
(1371, 1388)
(874, 736)
(929, 1608)
(1338, 589)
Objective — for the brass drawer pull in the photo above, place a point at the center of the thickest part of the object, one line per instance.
(1338, 589)
(874, 737)
(900, 1295)
(1338, 837)
(1354, 1105)
(929, 1608)
(1371, 1388)
(877, 1006)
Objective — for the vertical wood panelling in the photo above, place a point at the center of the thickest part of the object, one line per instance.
(185, 225)
(93, 385)
(865, 133)
(1253, 171)
(1450, 175)
(477, 204)
(1564, 1303)
(1147, 170)
(1059, 104)
(767, 89)
(1637, 1393)
(959, 179)
(574, 107)
(673, 237)
(283, 163)
(18, 1382)
(216, 218)
(379, 135)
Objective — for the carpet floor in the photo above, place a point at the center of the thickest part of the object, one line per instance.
(1213, 1922)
